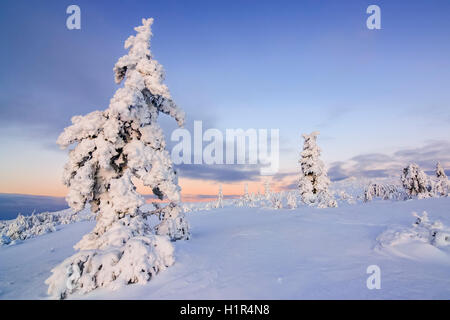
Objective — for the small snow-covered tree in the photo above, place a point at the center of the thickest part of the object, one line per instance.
(344, 196)
(219, 202)
(415, 182)
(383, 191)
(246, 196)
(253, 200)
(313, 179)
(326, 200)
(368, 193)
(113, 147)
(259, 196)
(267, 191)
(441, 186)
(276, 201)
(292, 199)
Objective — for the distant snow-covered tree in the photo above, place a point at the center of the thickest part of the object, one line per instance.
(113, 147)
(441, 186)
(246, 194)
(219, 202)
(383, 191)
(253, 200)
(344, 196)
(259, 196)
(267, 191)
(291, 198)
(246, 197)
(326, 200)
(25, 227)
(415, 182)
(368, 193)
(313, 179)
(276, 201)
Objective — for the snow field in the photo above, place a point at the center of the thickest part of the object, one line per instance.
(254, 253)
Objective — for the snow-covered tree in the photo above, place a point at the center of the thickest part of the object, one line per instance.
(219, 202)
(383, 191)
(441, 186)
(246, 196)
(276, 201)
(259, 196)
(326, 200)
(292, 199)
(25, 227)
(368, 193)
(113, 147)
(253, 200)
(415, 182)
(313, 179)
(267, 191)
(344, 196)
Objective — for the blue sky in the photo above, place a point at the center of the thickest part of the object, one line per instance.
(379, 97)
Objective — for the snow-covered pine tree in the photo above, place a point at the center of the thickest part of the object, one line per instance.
(313, 182)
(219, 202)
(441, 186)
(415, 182)
(113, 147)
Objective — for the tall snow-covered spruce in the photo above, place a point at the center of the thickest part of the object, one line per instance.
(313, 182)
(112, 148)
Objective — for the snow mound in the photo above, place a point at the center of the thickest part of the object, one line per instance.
(424, 230)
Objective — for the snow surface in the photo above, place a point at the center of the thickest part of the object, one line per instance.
(254, 253)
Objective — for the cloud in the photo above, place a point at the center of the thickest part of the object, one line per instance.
(291, 186)
(383, 165)
(280, 176)
(222, 173)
